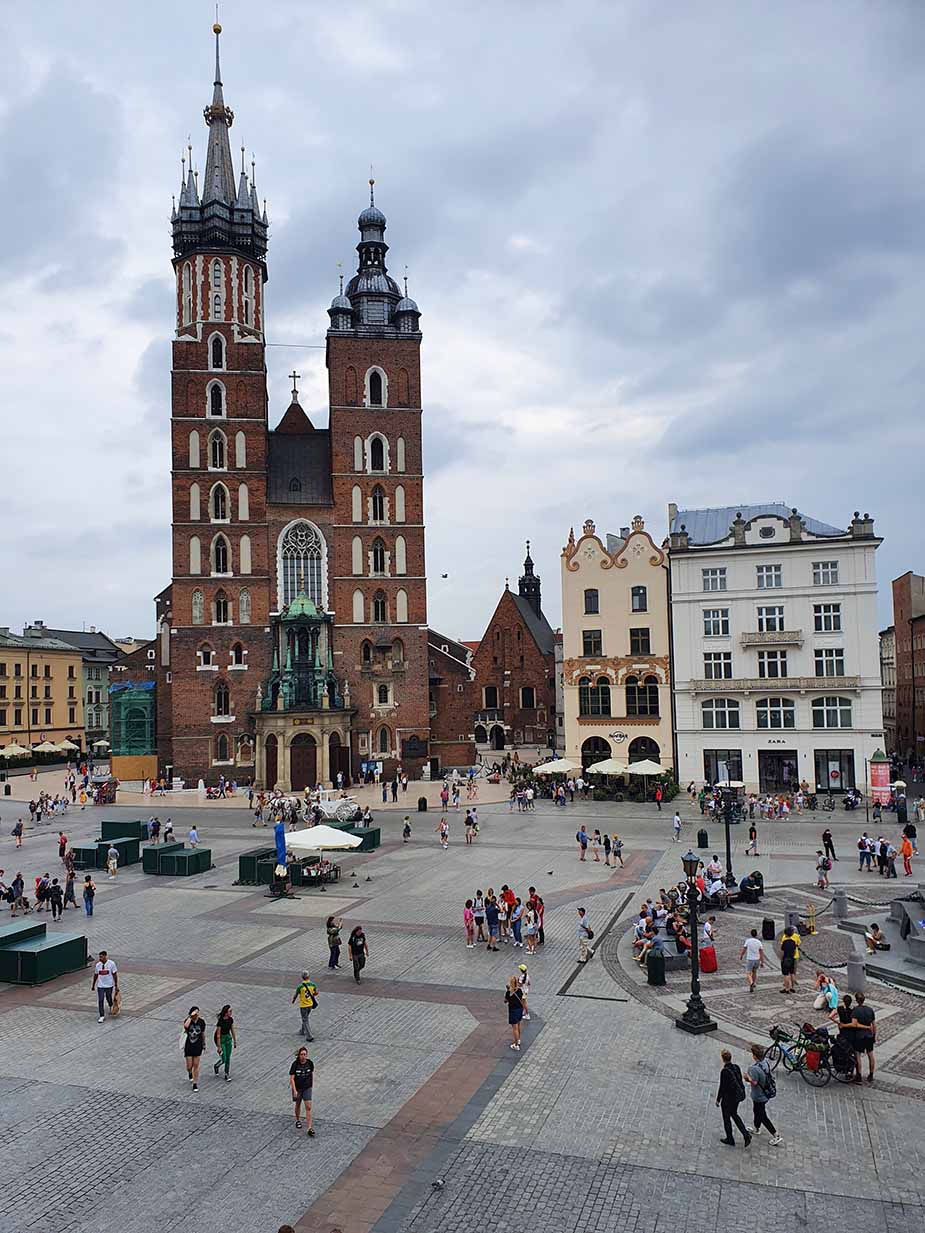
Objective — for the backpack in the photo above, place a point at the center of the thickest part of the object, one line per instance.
(739, 1085)
(767, 1083)
(826, 864)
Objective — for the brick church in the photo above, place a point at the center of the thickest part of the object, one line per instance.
(292, 640)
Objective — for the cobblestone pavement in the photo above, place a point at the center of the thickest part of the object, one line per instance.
(605, 1121)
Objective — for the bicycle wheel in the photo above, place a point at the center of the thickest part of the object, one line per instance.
(818, 1077)
(846, 1073)
(774, 1055)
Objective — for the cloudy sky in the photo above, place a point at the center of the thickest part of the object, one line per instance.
(663, 253)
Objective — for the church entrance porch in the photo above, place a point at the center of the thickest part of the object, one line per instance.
(302, 749)
(303, 761)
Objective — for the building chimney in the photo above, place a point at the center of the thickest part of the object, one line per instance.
(92, 629)
(679, 541)
(862, 528)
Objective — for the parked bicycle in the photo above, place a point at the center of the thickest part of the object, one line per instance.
(813, 1054)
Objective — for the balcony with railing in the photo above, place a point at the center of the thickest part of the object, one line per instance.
(772, 638)
(491, 715)
(775, 685)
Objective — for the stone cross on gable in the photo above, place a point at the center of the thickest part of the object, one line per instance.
(295, 378)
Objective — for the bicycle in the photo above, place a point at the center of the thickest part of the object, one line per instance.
(812, 1054)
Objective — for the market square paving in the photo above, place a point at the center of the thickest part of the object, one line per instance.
(605, 1121)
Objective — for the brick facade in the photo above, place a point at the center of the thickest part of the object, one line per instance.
(450, 671)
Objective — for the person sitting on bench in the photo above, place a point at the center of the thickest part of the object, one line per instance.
(874, 939)
(749, 889)
(718, 893)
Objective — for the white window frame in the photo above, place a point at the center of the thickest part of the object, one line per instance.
(716, 617)
(769, 577)
(713, 574)
(825, 573)
(827, 618)
(770, 619)
(775, 657)
(721, 660)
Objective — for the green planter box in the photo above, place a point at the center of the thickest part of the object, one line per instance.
(38, 959)
(371, 836)
(16, 932)
(247, 864)
(123, 830)
(265, 871)
(85, 858)
(127, 847)
(151, 856)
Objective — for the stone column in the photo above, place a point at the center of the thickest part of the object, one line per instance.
(324, 758)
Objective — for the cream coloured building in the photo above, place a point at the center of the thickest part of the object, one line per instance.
(616, 683)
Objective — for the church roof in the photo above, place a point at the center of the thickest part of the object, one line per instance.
(299, 467)
(295, 419)
(538, 626)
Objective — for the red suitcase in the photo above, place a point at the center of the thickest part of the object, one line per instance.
(708, 958)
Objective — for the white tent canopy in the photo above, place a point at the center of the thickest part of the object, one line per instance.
(13, 751)
(68, 745)
(558, 766)
(321, 839)
(46, 747)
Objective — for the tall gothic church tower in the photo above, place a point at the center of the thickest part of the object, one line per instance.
(292, 640)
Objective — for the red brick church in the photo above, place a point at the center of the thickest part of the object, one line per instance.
(292, 640)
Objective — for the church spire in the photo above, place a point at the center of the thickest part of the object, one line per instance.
(528, 586)
(219, 178)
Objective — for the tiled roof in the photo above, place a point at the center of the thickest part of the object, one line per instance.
(304, 457)
(538, 626)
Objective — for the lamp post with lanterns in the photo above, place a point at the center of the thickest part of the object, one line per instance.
(695, 1019)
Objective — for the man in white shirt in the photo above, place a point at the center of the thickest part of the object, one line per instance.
(709, 931)
(753, 953)
(714, 869)
(105, 982)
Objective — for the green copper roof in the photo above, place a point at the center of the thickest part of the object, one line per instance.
(302, 606)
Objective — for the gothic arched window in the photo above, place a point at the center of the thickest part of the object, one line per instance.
(385, 741)
(367, 652)
(216, 399)
(221, 749)
(219, 511)
(248, 295)
(301, 563)
(220, 555)
(237, 654)
(217, 451)
(377, 454)
(221, 608)
(244, 607)
(378, 556)
(379, 608)
(375, 389)
(222, 701)
(378, 503)
(198, 608)
(187, 294)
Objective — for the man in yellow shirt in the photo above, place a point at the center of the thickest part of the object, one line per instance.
(307, 996)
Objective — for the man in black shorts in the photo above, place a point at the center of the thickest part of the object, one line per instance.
(788, 961)
(865, 1036)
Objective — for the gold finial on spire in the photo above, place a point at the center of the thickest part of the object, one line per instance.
(216, 29)
(372, 185)
(242, 158)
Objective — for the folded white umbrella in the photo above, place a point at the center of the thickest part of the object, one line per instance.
(321, 839)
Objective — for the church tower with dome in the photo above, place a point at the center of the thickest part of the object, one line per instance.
(292, 641)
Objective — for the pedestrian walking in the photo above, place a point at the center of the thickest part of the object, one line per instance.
(301, 1082)
(596, 845)
(443, 830)
(585, 934)
(905, 849)
(105, 982)
(515, 1009)
(333, 926)
(193, 1038)
(764, 1089)
(581, 838)
(89, 894)
(56, 899)
(469, 925)
(406, 828)
(865, 852)
(752, 846)
(62, 846)
(608, 845)
(823, 865)
(828, 845)
(17, 832)
(112, 861)
(676, 827)
(69, 898)
(193, 836)
(618, 849)
(729, 1096)
(225, 1040)
(359, 951)
(753, 953)
(168, 831)
(307, 996)
(658, 798)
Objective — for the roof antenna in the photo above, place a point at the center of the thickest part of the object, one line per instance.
(242, 158)
(406, 282)
(340, 275)
(372, 185)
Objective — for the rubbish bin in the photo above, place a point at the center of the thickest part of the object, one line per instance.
(655, 967)
(422, 804)
(703, 839)
(768, 932)
(6, 789)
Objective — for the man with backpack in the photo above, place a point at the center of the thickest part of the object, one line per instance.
(730, 1095)
(823, 865)
(764, 1089)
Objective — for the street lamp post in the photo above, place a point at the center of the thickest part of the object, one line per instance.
(695, 1019)
(730, 878)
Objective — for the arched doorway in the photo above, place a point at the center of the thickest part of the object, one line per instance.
(644, 747)
(339, 759)
(594, 749)
(496, 737)
(303, 762)
(270, 754)
(480, 736)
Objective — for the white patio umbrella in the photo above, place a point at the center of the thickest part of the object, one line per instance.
(731, 783)
(68, 746)
(101, 744)
(610, 766)
(645, 768)
(13, 751)
(558, 766)
(46, 747)
(321, 839)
